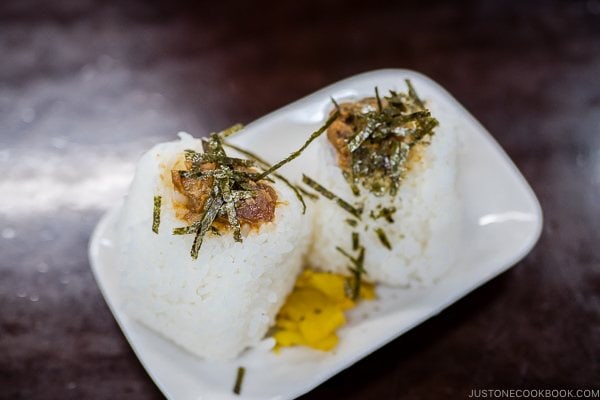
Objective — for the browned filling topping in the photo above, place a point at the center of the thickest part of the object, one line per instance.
(260, 208)
(214, 192)
(252, 211)
(346, 125)
(373, 139)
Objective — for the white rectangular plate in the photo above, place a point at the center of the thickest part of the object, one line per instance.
(502, 221)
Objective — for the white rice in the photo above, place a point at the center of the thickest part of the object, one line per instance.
(426, 224)
(223, 302)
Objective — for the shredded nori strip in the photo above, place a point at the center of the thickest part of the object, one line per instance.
(307, 193)
(231, 130)
(221, 173)
(356, 212)
(379, 106)
(358, 272)
(398, 160)
(156, 214)
(296, 153)
(239, 379)
(357, 269)
(352, 222)
(385, 212)
(413, 93)
(355, 242)
(345, 254)
(185, 230)
(335, 104)
(199, 158)
(383, 238)
(212, 208)
(363, 135)
(232, 218)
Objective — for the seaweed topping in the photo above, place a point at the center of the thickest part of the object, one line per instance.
(297, 190)
(356, 212)
(355, 242)
(386, 213)
(373, 138)
(383, 238)
(352, 222)
(239, 379)
(156, 214)
(357, 270)
(308, 194)
(221, 191)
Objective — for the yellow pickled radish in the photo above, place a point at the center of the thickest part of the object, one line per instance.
(314, 311)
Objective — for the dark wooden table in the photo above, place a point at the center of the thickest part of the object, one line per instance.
(86, 86)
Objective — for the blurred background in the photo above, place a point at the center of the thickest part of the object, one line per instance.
(87, 85)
